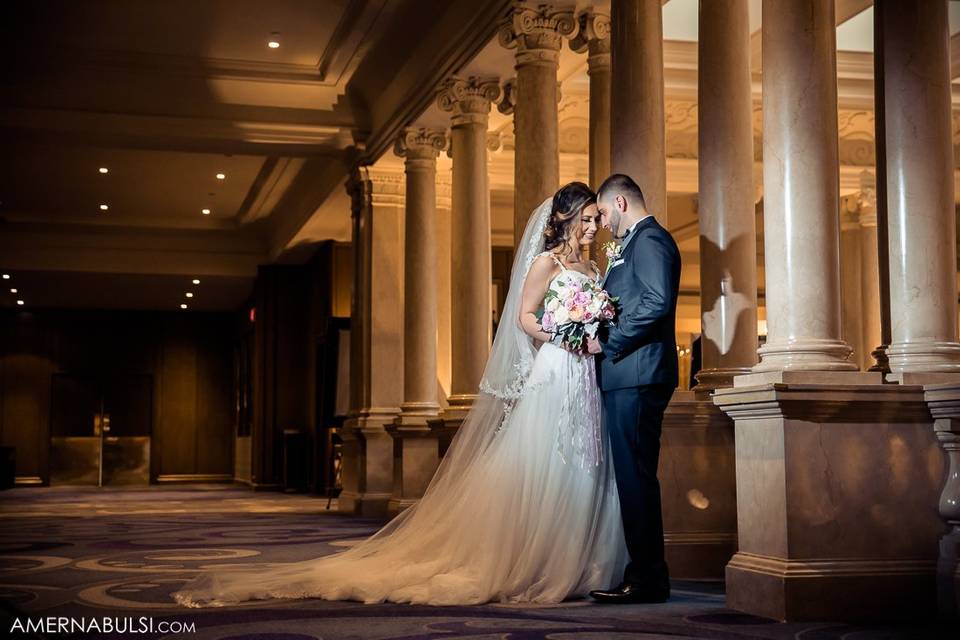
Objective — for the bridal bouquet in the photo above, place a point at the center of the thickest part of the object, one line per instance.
(574, 309)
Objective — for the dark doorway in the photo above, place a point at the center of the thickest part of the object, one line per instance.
(100, 428)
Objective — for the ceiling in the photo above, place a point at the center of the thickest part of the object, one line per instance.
(221, 152)
(167, 94)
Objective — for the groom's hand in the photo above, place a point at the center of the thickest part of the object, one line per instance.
(593, 346)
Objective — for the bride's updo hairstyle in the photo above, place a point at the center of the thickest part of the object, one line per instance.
(564, 220)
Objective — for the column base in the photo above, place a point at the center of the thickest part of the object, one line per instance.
(698, 488)
(448, 423)
(882, 363)
(415, 458)
(830, 589)
(808, 377)
(837, 483)
(925, 356)
(367, 463)
(460, 402)
(805, 355)
(709, 380)
(922, 378)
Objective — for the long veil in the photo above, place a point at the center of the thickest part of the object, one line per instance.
(416, 534)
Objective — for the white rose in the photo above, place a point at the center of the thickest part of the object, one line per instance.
(562, 316)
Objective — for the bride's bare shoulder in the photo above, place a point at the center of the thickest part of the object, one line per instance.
(543, 265)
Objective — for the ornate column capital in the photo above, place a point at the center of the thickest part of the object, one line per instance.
(371, 186)
(420, 146)
(594, 38)
(509, 100)
(468, 99)
(536, 31)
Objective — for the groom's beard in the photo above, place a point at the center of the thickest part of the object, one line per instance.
(615, 226)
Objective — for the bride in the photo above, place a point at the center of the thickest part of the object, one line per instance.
(523, 507)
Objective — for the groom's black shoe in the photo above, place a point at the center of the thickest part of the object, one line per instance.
(628, 593)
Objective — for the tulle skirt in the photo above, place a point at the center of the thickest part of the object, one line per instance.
(533, 518)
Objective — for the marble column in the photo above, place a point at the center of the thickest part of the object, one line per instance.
(535, 31)
(594, 39)
(920, 187)
(851, 292)
(870, 287)
(376, 340)
(469, 100)
(415, 444)
(637, 128)
(880, 361)
(800, 186)
(728, 229)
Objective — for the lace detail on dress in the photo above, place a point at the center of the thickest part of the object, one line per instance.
(510, 395)
(579, 432)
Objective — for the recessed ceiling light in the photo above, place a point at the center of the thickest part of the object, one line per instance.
(205, 212)
(274, 44)
(104, 170)
(6, 276)
(19, 301)
(183, 306)
(103, 207)
(13, 290)
(189, 295)
(221, 176)
(195, 281)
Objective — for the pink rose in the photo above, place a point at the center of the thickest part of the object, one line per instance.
(547, 322)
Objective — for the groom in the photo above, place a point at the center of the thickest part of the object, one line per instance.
(638, 373)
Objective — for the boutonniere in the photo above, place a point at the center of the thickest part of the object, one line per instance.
(611, 250)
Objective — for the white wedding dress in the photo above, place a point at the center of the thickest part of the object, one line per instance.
(523, 508)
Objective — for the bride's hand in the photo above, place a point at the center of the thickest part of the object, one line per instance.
(593, 346)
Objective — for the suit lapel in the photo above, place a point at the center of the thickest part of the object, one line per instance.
(626, 242)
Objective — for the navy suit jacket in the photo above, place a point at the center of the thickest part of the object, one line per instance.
(641, 348)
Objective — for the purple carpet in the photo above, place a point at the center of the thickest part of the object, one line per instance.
(92, 557)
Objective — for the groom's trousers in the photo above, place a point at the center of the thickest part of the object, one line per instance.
(633, 418)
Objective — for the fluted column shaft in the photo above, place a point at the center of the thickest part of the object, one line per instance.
(800, 186)
(636, 117)
(870, 287)
(535, 31)
(882, 249)
(728, 233)
(920, 187)
(469, 100)
(594, 39)
(420, 148)
(376, 388)
(851, 279)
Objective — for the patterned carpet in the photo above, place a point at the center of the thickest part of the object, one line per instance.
(112, 556)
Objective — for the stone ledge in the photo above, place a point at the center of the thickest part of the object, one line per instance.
(811, 377)
(826, 402)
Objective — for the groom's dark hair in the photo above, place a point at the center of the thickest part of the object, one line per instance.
(622, 184)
